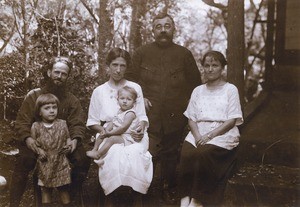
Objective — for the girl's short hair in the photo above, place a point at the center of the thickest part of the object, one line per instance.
(216, 55)
(131, 90)
(43, 99)
(118, 52)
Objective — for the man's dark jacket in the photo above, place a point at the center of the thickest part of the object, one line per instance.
(167, 76)
(69, 109)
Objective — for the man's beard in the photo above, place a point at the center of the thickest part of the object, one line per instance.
(57, 90)
(168, 39)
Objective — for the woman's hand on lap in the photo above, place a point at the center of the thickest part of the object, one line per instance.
(203, 140)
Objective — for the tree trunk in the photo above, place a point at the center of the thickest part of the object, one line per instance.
(236, 45)
(104, 36)
(25, 41)
(269, 46)
(138, 11)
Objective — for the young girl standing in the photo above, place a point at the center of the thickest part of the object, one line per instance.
(119, 130)
(52, 137)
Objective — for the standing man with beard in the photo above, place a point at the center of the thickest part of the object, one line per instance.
(70, 110)
(167, 73)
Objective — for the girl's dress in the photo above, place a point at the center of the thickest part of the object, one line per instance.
(56, 170)
(123, 165)
(118, 121)
(202, 168)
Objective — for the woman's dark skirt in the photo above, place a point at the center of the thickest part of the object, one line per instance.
(203, 170)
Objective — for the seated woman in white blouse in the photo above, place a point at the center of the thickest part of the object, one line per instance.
(129, 165)
(214, 111)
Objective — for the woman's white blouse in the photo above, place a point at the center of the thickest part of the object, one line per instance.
(104, 105)
(129, 165)
(211, 108)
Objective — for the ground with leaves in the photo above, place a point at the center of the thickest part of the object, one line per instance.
(269, 173)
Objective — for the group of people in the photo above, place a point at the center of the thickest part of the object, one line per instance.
(140, 117)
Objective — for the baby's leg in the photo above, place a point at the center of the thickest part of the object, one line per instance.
(106, 146)
(46, 195)
(94, 151)
(109, 142)
(97, 142)
(64, 194)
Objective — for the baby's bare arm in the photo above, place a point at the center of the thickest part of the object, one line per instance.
(109, 126)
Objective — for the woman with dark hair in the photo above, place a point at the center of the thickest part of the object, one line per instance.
(214, 111)
(129, 165)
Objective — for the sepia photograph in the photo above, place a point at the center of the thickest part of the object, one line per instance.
(149, 103)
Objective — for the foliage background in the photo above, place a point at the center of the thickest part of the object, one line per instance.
(32, 31)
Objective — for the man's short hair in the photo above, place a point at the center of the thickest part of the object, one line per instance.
(161, 16)
(62, 59)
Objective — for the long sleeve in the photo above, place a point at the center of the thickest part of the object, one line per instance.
(26, 116)
(94, 109)
(192, 72)
(70, 110)
(75, 117)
